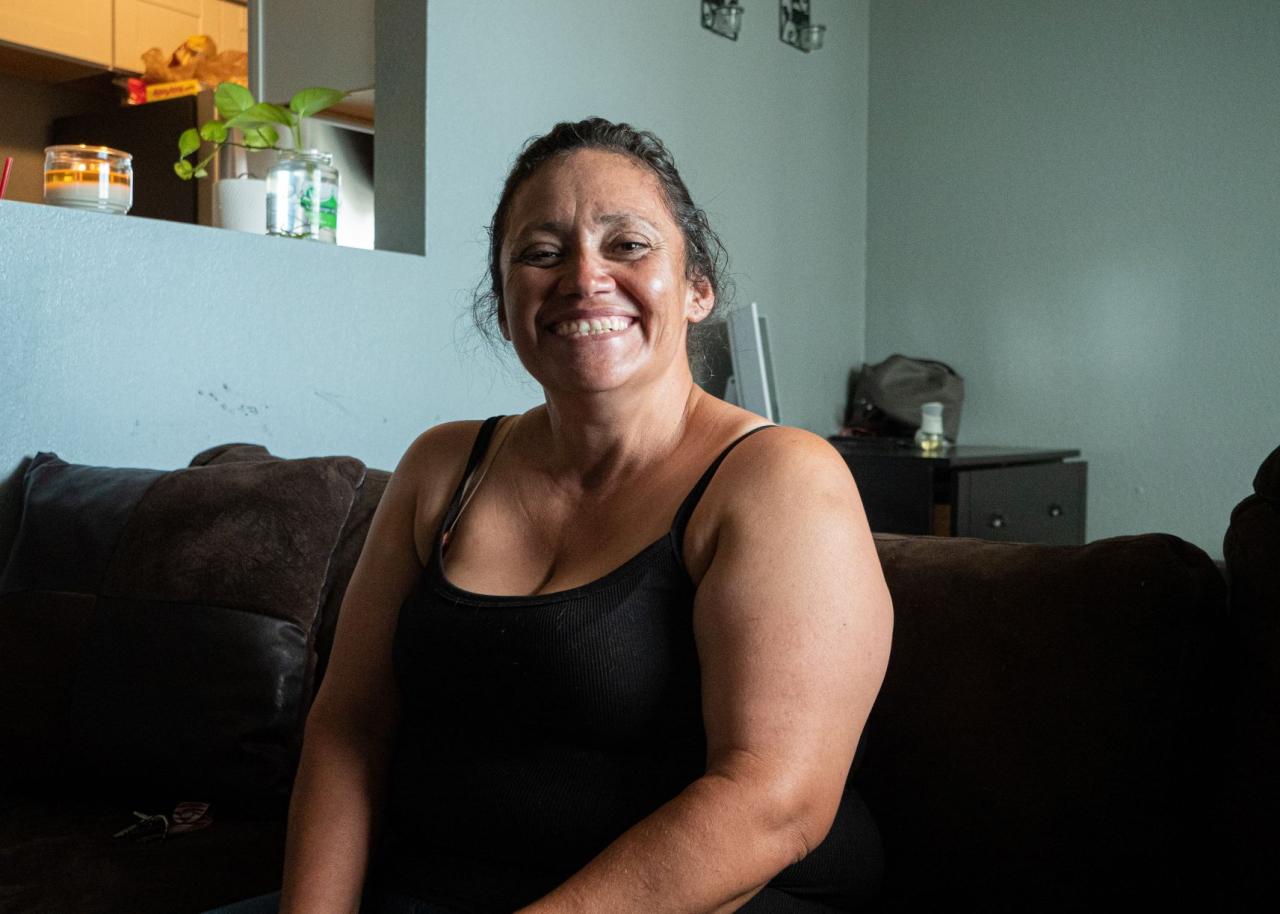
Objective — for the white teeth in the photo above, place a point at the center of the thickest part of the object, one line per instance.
(592, 327)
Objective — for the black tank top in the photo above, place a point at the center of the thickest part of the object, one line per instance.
(537, 729)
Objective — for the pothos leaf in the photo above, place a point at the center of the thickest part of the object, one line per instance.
(183, 169)
(265, 111)
(263, 137)
(188, 141)
(260, 114)
(230, 99)
(214, 132)
(307, 102)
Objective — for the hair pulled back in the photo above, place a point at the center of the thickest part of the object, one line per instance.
(705, 255)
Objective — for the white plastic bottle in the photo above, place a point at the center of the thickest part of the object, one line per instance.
(929, 438)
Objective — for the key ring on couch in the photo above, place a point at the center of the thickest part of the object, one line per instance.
(147, 828)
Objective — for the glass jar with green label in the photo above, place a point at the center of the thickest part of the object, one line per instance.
(302, 196)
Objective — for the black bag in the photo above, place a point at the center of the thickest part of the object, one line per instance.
(885, 398)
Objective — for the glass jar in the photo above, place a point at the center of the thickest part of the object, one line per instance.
(88, 177)
(302, 196)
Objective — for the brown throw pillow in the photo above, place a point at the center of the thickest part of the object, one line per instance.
(345, 554)
(156, 627)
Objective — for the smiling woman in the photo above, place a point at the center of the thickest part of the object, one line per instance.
(616, 653)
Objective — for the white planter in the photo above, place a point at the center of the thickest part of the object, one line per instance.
(241, 205)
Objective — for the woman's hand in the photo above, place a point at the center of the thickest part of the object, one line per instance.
(793, 623)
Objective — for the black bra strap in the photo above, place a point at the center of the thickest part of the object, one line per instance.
(477, 454)
(695, 495)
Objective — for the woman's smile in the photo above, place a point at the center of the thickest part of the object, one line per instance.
(604, 327)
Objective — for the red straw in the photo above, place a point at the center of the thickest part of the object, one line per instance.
(4, 177)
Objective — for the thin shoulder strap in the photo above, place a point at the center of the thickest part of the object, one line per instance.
(478, 450)
(695, 495)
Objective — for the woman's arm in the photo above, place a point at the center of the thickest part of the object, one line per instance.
(336, 796)
(793, 622)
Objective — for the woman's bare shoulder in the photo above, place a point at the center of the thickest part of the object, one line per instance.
(431, 470)
(778, 473)
(784, 446)
(774, 448)
(437, 443)
(782, 472)
(784, 454)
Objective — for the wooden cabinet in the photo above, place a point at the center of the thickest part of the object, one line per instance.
(1010, 494)
(144, 24)
(228, 24)
(78, 29)
(165, 24)
(115, 33)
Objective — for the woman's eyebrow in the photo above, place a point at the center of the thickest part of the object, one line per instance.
(523, 231)
(557, 227)
(615, 218)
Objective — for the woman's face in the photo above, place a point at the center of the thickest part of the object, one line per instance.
(594, 290)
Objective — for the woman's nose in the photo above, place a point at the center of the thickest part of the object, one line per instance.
(586, 273)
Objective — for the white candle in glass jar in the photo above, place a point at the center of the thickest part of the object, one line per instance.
(88, 177)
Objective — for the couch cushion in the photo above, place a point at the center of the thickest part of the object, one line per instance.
(155, 627)
(1039, 740)
(350, 542)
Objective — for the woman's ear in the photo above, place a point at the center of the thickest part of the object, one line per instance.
(700, 300)
(502, 323)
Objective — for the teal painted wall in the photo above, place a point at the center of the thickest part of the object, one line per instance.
(1078, 205)
(123, 342)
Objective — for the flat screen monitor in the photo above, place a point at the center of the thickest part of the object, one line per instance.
(736, 365)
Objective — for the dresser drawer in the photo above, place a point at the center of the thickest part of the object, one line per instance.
(1039, 503)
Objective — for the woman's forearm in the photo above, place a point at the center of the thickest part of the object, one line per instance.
(707, 850)
(331, 820)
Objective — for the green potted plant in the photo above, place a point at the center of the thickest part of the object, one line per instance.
(302, 187)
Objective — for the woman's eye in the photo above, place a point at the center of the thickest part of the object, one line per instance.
(629, 246)
(539, 256)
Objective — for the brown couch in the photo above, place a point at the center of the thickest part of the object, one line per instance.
(1060, 729)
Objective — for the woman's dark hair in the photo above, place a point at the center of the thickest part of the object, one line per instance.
(705, 256)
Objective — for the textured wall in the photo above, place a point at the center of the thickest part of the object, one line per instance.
(127, 341)
(1077, 205)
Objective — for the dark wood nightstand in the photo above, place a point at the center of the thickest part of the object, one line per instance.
(996, 493)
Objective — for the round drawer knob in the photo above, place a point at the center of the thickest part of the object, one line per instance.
(997, 522)
(1055, 510)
